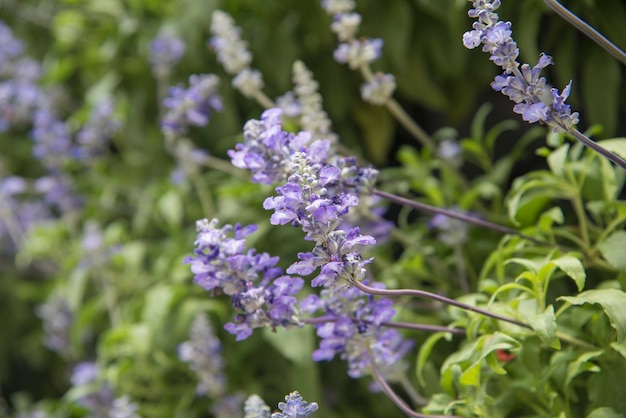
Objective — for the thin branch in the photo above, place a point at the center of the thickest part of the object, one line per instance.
(439, 298)
(614, 158)
(395, 324)
(382, 383)
(456, 215)
(585, 28)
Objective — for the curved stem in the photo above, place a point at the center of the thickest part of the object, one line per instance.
(394, 324)
(439, 298)
(585, 28)
(456, 215)
(262, 99)
(384, 386)
(614, 158)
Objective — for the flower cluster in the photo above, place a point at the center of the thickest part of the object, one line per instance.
(260, 293)
(203, 354)
(352, 327)
(314, 195)
(57, 320)
(267, 148)
(521, 83)
(19, 75)
(166, 50)
(358, 53)
(293, 407)
(190, 106)
(379, 89)
(233, 55)
(96, 395)
(95, 135)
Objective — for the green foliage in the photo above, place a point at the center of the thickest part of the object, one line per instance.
(132, 304)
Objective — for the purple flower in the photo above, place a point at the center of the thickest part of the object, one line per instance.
(260, 293)
(93, 138)
(53, 141)
(358, 52)
(203, 354)
(353, 326)
(521, 83)
(57, 321)
(166, 50)
(232, 52)
(267, 148)
(295, 407)
(10, 47)
(191, 106)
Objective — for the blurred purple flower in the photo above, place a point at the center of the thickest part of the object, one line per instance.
(166, 50)
(191, 106)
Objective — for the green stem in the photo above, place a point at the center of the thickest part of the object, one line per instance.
(387, 390)
(456, 215)
(575, 341)
(401, 116)
(206, 201)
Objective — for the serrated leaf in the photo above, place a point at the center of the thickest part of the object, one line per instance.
(613, 249)
(613, 302)
(573, 268)
(544, 325)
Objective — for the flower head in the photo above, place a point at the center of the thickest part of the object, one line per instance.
(379, 90)
(232, 51)
(260, 293)
(166, 50)
(521, 83)
(191, 106)
(295, 407)
(358, 52)
(203, 354)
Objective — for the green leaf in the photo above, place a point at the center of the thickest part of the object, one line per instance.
(604, 412)
(544, 325)
(556, 159)
(573, 268)
(581, 365)
(613, 302)
(487, 345)
(613, 249)
(157, 303)
(296, 344)
(425, 349)
(171, 207)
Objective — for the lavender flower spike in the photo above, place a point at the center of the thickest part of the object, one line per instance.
(521, 83)
(203, 354)
(260, 294)
(190, 106)
(166, 50)
(295, 407)
(255, 407)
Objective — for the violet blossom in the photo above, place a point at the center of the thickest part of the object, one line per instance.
(521, 83)
(190, 106)
(260, 293)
